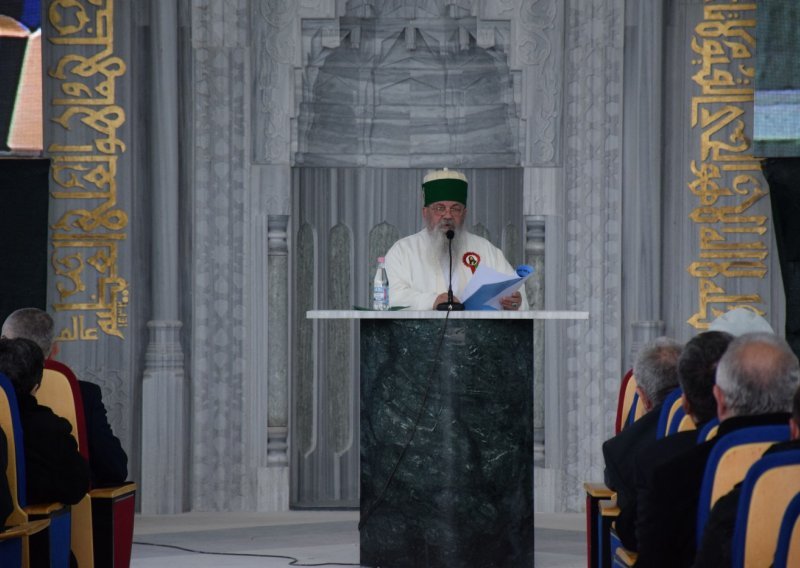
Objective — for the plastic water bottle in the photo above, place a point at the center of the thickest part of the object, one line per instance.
(380, 287)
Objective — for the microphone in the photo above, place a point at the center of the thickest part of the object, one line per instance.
(450, 305)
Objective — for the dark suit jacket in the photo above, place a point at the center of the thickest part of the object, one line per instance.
(54, 470)
(621, 450)
(107, 460)
(647, 459)
(667, 500)
(716, 549)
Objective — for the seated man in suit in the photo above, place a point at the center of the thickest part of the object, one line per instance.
(755, 381)
(696, 369)
(418, 266)
(107, 460)
(716, 548)
(54, 470)
(656, 371)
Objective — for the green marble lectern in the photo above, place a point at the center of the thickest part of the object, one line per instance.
(446, 442)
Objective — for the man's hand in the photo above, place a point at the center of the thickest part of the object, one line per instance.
(443, 298)
(512, 302)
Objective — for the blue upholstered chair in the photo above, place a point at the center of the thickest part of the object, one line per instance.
(708, 431)
(787, 551)
(768, 488)
(729, 461)
(673, 417)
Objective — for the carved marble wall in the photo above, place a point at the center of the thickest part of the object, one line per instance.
(221, 380)
(292, 44)
(401, 92)
(599, 203)
(593, 217)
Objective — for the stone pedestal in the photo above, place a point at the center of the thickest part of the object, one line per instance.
(446, 442)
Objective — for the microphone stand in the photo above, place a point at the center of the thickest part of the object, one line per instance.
(450, 305)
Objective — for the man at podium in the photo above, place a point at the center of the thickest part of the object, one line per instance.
(419, 266)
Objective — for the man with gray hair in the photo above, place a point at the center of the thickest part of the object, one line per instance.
(108, 461)
(421, 265)
(757, 375)
(696, 369)
(737, 390)
(755, 381)
(656, 372)
(33, 324)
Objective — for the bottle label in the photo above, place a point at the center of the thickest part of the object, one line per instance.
(380, 293)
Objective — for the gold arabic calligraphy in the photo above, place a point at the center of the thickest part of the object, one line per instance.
(87, 237)
(727, 180)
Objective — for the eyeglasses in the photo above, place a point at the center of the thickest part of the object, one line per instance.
(440, 209)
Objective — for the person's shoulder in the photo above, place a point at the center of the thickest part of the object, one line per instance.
(690, 462)
(786, 446)
(631, 435)
(411, 240)
(89, 388)
(666, 448)
(477, 241)
(42, 419)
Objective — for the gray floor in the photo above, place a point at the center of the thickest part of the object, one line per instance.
(313, 538)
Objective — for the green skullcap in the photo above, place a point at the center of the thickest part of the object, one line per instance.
(445, 185)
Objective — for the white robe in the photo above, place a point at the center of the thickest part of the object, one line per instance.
(416, 278)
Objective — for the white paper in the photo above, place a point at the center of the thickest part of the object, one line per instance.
(489, 286)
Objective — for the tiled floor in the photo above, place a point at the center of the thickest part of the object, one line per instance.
(304, 538)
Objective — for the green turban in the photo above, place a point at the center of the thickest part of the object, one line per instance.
(445, 185)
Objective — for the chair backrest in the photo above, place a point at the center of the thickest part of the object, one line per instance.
(731, 457)
(768, 487)
(631, 409)
(102, 523)
(667, 411)
(682, 422)
(708, 431)
(627, 392)
(638, 409)
(787, 552)
(673, 417)
(60, 391)
(12, 427)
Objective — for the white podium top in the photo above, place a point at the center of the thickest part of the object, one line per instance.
(433, 314)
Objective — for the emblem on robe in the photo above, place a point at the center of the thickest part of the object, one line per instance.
(471, 260)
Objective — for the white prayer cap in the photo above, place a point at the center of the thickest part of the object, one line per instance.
(740, 321)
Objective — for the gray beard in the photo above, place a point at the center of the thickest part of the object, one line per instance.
(438, 247)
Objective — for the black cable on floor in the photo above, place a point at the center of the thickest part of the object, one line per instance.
(379, 499)
(293, 561)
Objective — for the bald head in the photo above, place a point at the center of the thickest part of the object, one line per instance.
(758, 374)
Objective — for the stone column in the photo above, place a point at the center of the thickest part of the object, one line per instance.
(275, 51)
(274, 480)
(278, 340)
(163, 389)
(642, 177)
(534, 256)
